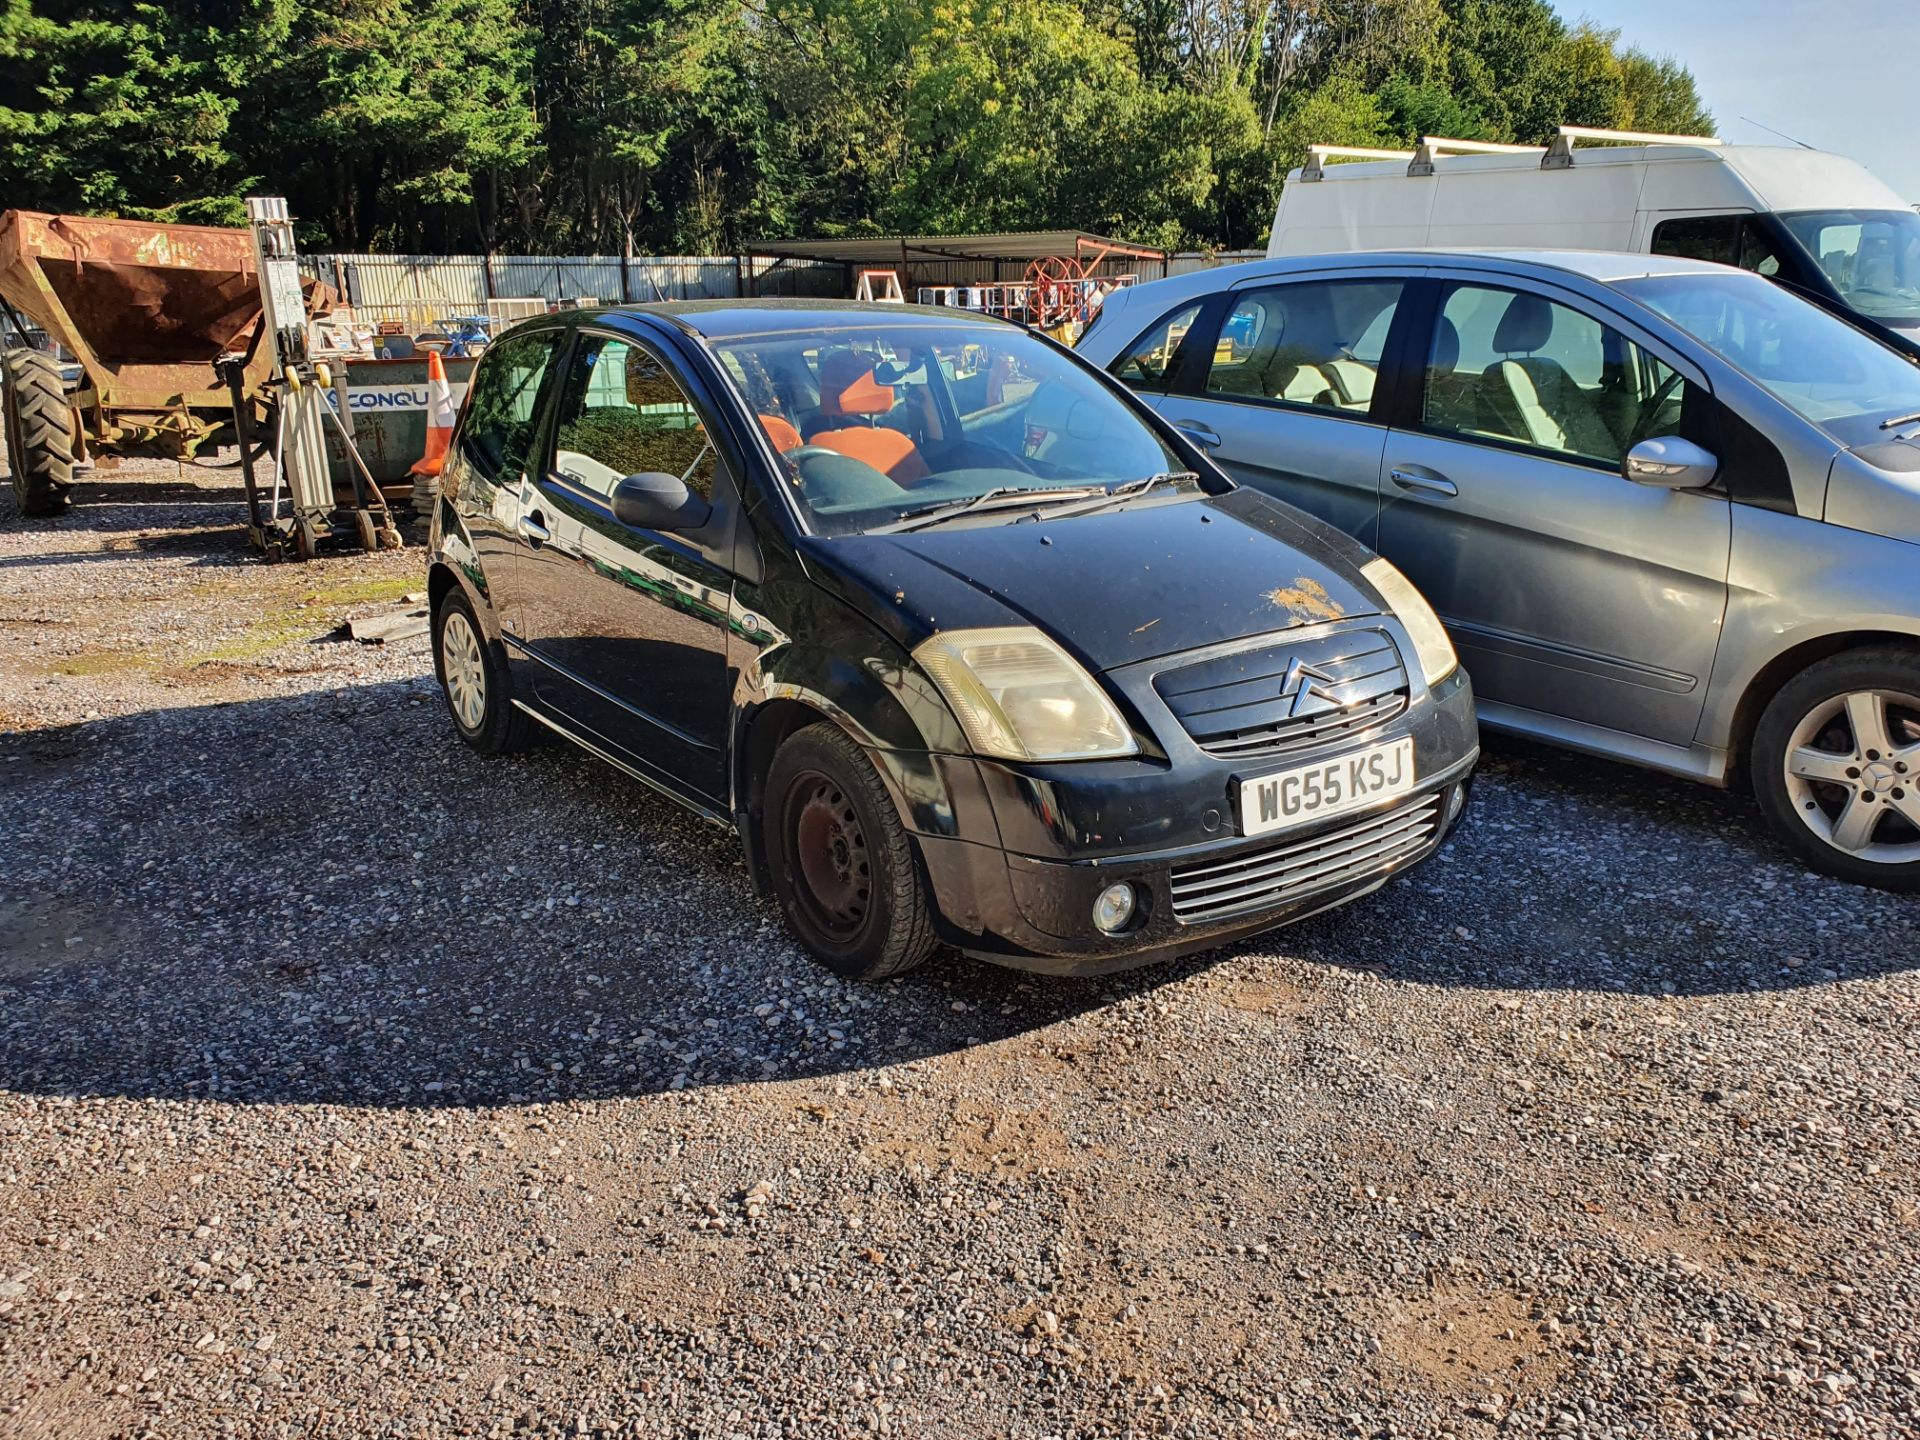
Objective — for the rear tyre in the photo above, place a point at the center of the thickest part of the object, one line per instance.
(474, 679)
(1836, 766)
(843, 866)
(39, 425)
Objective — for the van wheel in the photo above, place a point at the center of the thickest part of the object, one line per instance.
(843, 866)
(1836, 766)
(474, 680)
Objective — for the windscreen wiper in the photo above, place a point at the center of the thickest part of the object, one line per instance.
(1127, 490)
(1900, 420)
(947, 510)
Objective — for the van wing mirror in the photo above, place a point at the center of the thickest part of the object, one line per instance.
(656, 500)
(1670, 463)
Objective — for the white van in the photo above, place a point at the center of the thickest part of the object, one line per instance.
(1818, 222)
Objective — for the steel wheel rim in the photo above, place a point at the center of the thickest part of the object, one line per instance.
(466, 676)
(1852, 771)
(833, 867)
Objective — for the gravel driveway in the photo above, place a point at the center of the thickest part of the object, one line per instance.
(351, 1084)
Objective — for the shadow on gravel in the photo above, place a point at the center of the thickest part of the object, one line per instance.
(325, 898)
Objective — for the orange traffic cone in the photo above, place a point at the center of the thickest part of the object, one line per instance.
(439, 417)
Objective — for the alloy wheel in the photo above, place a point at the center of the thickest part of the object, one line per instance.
(1853, 774)
(465, 671)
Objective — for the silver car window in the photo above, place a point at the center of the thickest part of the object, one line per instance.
(1314, 342)
(1514, 366)
(1813, 362)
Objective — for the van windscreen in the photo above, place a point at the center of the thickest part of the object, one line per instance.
(1871, 256)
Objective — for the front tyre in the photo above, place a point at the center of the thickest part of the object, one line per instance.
(473, 678)
(843, 866)
(1836, 766)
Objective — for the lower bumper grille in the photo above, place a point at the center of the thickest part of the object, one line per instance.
(1295, 869)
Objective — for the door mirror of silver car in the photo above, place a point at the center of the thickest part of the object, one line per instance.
(656, 500)
(1670, 463)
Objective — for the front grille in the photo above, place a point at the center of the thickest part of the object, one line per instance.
(1246, 704)
(1295, 869)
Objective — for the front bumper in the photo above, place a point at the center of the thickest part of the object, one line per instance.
(1052, 838)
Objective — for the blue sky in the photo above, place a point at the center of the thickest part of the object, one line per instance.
(1837, 75)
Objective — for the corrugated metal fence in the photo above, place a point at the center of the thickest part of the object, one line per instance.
(420, 289)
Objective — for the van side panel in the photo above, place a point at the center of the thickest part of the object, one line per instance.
(1697, 187)
(1351, 212)
(1589, 207)
(1608, 199)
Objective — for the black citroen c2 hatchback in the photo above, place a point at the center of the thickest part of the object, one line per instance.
(965, 644)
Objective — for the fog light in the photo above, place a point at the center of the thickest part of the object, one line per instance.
(1114, 908)
(1455, 799)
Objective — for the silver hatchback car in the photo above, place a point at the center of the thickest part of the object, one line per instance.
(1669, 511)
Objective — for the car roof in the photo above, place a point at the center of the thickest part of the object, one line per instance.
(733, 319)
(1600, 267)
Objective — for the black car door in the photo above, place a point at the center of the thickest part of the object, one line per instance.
(629, 626)
(486, 479)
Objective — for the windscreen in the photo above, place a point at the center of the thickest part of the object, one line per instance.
(1871, 256)
(1815, 363)
(876, 421)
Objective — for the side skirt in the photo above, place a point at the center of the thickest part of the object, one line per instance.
(1690, 762)
(565, 732)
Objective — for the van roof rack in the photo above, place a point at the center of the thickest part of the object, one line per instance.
(1432, 147)
(1318, 155)
(1559, 154)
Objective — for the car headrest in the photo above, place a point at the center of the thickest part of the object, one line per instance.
(847, 386)
(1525, 327)
(1446, 345)
(781, 432)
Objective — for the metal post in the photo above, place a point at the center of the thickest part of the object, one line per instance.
(235, 372)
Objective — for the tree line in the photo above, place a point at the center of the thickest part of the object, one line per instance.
(694, 126)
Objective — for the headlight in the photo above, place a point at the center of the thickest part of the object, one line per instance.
(1410, 607)
(1019, 696)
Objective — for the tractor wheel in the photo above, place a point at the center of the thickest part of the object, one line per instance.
(39, 431)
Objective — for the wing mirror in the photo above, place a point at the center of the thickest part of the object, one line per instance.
(1670, 463)
(656, 500)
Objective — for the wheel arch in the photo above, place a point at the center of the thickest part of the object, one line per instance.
(910, 769)
(443, 576)
(1777, 672)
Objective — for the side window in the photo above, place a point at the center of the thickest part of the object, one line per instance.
(622, 414)
(1700, 237)
(1151, 362)
(1756, 252)
(1723, 239)
(1518, 367)
(1314, 343)
(504, 411)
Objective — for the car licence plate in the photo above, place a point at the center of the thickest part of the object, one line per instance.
(1330, 787)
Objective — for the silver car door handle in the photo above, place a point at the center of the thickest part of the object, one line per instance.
(1421, 480)
(1197, 433)
(533, 530)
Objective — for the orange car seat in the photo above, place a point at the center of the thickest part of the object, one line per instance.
(848, 392)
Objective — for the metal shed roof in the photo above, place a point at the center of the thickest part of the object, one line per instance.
(1007, 245)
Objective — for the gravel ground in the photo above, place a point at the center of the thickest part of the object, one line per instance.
(351, 1084)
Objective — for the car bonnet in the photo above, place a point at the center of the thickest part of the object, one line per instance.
(1153, 578)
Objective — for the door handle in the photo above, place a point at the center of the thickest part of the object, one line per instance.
(1412, 479)
(533, 531)
(1198, 433)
